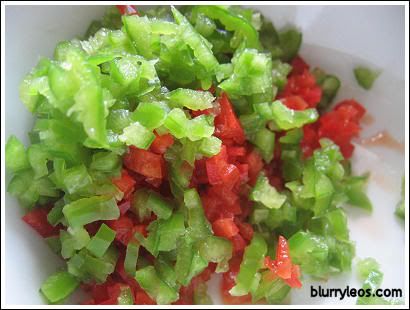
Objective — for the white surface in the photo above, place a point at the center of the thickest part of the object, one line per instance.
(335, 37)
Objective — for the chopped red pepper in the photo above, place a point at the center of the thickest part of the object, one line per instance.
(340, 125)
(294, 281)
(282, 265)
(207, 273)
(142, 298)
(145, 162)
(201, 112)
(226, 198)
(238, 243)
(352, 108)
(295, 103)
(227, 125)
(105, 293)
(142, 229)
(161, 143)
(211, 207)
(200, 174)
(124, 206)
(303, 84)
(37, 219)
(236, 151)
(120, 272)
(255, 165)
(127, 9)
(212, 89)
(88, 302)
(155, 182)
(243, 171)
(231, 176)
(310, 140)
(283, 261)
(123, 229)
(125, 183)
(119, 267)
(245, 229)
(298, 65)
(215, 166)
(225, 227)
(93, 227)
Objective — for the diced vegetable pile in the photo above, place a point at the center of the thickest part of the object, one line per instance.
(171, 145)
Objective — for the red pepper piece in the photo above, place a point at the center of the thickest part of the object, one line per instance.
(145, 162)
(37, 219)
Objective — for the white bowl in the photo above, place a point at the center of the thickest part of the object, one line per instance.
(336, 38)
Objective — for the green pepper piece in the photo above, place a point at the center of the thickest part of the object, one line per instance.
(266, 194)
(400, 208)
(54, 244)
(252, 75)
(131, 257)
(290, 41)
(192, 99)
(16, 156)
(200, 46)
(137, 135)
(101, 241)
(365, 77)
(159, 206)
(59, 286)
(150, 115)
(252, 261)
(88, 210)
(217, 250)
(105, 162)
(157, 289)
(273, 290)
(210, 146)
(286, 118)
(264, 139)
(232, 22)
(73, 239)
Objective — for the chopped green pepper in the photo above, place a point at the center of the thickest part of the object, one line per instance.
(365, 77)
(87, 210)
(16, 156)
(59, 286)
(252, 261)
(100, 242)
(266, 194)
(131, 257)
(155, 287)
